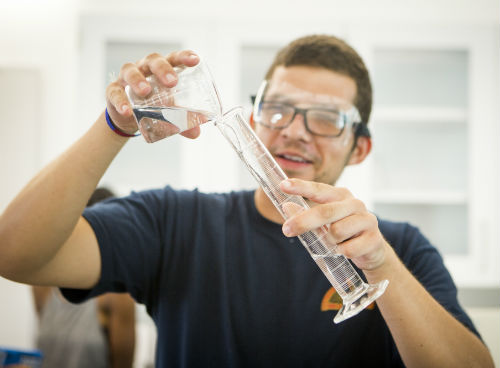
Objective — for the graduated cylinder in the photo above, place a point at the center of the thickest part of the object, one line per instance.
(355, 293)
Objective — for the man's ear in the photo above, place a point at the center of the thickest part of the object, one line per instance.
(360, 151)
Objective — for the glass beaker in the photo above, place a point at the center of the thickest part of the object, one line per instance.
(166, 111)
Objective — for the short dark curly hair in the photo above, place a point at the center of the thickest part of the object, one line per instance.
(331, 53)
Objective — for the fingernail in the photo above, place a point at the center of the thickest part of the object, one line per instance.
(124, 108)
(170, 78)
(193, 56)
(143, 86)
(286, 184)
(287, 230)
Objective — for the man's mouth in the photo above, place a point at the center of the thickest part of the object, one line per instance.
(294, 158)
(291, 161)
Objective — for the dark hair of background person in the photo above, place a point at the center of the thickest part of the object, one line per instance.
(100, 194)
(331, 53)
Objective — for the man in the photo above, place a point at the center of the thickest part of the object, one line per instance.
(222, 283)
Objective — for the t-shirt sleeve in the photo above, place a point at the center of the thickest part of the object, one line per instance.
(426, 264)
(130, 232)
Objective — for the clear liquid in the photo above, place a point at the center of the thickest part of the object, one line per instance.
(157, 123)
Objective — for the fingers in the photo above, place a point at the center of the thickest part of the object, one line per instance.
(358, 246)
(290, 209)
(134, 75)
(159, 66)
(117, 99)
(192, 133)
(346, 215)
(185, 57)
(322, 214)
(350, 225)
(347, 230)
(367, 251)
(131, 75)
(314, 191)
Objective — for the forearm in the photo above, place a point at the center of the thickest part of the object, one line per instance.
(122, 330)
(122, 353)
(43, 215)
(426, 335)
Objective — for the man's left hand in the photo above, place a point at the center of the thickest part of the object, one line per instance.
(350, 225)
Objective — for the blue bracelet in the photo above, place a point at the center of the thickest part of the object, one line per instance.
(115, 129)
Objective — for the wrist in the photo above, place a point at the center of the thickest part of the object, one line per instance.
(387, 269)
(115, 129)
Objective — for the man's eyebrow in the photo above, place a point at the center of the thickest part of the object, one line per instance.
(278, 97)
(284, 98)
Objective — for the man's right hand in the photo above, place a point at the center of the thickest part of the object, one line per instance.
(134, 75)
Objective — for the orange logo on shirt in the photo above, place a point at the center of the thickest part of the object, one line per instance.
(333, 301)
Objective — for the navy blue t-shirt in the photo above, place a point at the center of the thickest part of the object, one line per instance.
(225, 287)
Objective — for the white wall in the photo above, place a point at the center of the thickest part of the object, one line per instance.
(39, 37)
(44, 35)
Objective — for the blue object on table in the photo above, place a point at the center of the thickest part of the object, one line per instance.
(30, 358)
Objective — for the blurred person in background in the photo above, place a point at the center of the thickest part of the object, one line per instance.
(99, 333)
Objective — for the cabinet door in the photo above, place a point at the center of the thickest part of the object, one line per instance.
(428, 123)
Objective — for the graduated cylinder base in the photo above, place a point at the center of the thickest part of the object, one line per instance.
(360, 301)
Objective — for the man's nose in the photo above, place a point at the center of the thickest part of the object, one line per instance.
(297, 128)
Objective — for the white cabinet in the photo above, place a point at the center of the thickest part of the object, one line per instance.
(435, 117)
(421, 149)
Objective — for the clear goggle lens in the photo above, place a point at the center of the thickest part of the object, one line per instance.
(278, 104)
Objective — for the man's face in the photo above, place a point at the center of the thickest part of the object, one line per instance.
(299, 153)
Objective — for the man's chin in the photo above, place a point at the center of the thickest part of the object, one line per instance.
(302, 176)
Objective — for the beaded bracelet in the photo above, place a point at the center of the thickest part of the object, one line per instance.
(117, 130)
